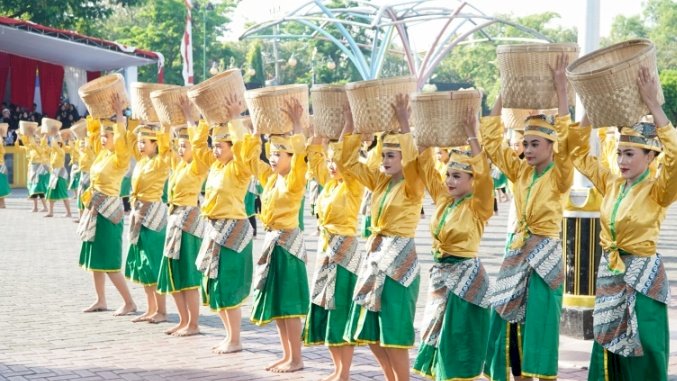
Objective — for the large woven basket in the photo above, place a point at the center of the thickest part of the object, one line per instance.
(328, 102)
(27, 128)
(514, 118)
(142, 106)
(3, 130)
(50, 126)
(79, 129)
(167, 106)
(438, 117)
(265, 107)
(210, 95)
(606, 81)
(526, 80)
(98, 95)
(371, 102)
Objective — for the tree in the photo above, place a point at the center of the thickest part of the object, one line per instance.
(661, 16)
(668, 80)
(65, 14)
(255, 74)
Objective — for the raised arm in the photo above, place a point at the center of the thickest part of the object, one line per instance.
(202, 155)
(501, 155)
(430, 176)
(413, 184)
(317, 167)
(348, 155)
(563, 170)
(578, 142)
(94, 134)
(121, 148)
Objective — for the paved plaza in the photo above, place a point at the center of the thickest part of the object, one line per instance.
(44, 334)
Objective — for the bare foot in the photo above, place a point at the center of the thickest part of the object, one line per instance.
(288, 367)
(228, 348)
(96, 307)
(186, 332)
(34, 210)
(157, 318)
(140, 318)
(48, 215)
(221, 343)
(67, 215)
(275, 364)
(44, 210)
(331, 377)
(175, 328)
(125, 309)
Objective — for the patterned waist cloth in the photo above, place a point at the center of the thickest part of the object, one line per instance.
(232, 234)
(340, 251)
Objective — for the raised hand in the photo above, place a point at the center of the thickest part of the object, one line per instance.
(186, 108)
(117, 106)
(348, 125)
(648, 90)
(233, 105)
(402, 111)
(294, 111)
(470, 129)
(559, 78)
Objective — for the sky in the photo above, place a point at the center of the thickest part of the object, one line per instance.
(570, 10)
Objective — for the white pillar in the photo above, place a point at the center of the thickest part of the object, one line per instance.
(588, 40)
(131, 75)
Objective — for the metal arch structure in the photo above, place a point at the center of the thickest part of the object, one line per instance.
(383, 22)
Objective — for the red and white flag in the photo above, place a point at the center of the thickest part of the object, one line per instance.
(187, 47)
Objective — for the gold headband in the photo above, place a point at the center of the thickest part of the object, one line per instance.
(390, 142)
(458, 160)
(281, 143)
(641, 135)
(220, 133)
(539, 125)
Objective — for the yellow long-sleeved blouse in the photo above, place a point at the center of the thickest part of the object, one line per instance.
(538, 197)
(282, 195)
(2, 153)
(458, 224)
(630, 216)
(185, 181)
(338, 204)
(36, 153)
(85, 156)
(227, 184)
(395, 206)
(57, 156)
(108, 167)
(150, 173)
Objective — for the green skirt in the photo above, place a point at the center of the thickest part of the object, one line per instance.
(39, 187)
(327, 326)
(60, 192)
(538, 337)
(4, 186)
(461, 346)
(652, 322)
(143, 258)
(75, 181)
(126, 187)
(301, 211)
(285, 294)
(250, 204)
(393, 326)
(181, 274)
(165, 195)
(105, 252)
(234, 282)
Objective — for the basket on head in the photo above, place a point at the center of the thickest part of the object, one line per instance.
(328, 102)
(142, 106)
(438, 117)
(98, 95)
(50, 126)
(27, 128)
(606, 81)
(210, 96)
(66, 134)
(79, 129)
(514, 118)
(3, 130)
(168, 108)
(371, 102)
(526, 80)
(266, 104)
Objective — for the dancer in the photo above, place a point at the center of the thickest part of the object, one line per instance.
(281, 282)
(524, 329)
(178, 274)
(225, 256)
(4, 183)
(148, 221)
(57, 189)
(630, 319)
(38, 172)
(456, 323)
(100, 225)
(384, 303)
(338, 257)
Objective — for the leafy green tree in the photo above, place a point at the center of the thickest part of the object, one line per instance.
(668, 80)
(255, 75)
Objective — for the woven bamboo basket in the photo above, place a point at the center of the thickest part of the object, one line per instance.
(27, 128)
(371, 102)
(3, 130)
(210, 95)
(50, 126)
(98, 95)
(265, 107)
(438, 117)
(606, 81)
(514, 118)
(66, 134)
(526, 80)
(79, 129)
(142, 106)
(328, 102)
(167, 106)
